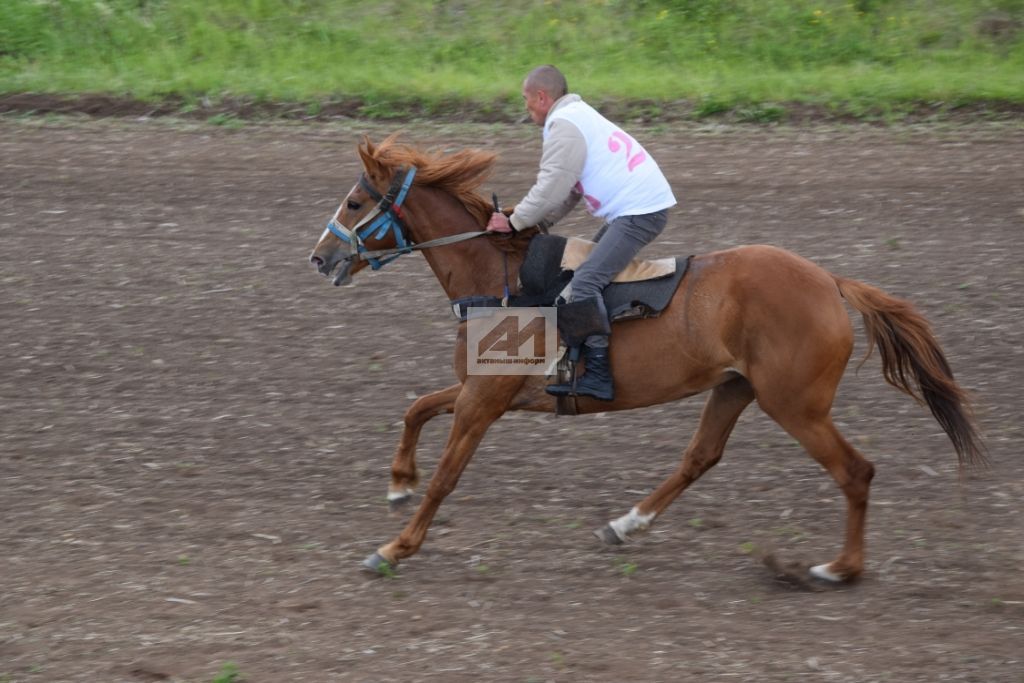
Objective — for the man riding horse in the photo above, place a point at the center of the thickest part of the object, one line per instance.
(587, 156)
(778, 334)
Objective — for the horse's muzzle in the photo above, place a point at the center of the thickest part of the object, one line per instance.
(326, 267)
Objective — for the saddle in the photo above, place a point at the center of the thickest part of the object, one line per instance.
(642, 290)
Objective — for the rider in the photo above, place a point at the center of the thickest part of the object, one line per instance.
(586, 155)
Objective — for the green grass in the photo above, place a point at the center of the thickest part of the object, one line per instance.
(392, 56)
(625, 567)
(229, 673)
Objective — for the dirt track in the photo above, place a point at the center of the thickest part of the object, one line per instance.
(197, 429)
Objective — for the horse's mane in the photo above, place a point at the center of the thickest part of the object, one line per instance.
(458, 173)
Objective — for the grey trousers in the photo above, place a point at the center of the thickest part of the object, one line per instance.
(618, 243)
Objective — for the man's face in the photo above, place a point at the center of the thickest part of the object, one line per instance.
(538, 104)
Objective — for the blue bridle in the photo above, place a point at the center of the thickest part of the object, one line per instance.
(386, 217)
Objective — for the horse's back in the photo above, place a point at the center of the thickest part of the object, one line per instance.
(756, 260)
(761, 275)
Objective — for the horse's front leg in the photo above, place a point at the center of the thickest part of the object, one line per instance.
(404, 474)
(482, 400)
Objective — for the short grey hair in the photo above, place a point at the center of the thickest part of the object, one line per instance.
(547, 78)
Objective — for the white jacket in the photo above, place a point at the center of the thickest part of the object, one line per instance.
(586, 154)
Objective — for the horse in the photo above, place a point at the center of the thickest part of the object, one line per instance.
(750, 323)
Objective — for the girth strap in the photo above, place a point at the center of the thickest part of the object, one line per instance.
(461, 307)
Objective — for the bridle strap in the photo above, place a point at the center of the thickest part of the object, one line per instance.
(396, 193)
(364, 182)
(385, 216)
(439, 242)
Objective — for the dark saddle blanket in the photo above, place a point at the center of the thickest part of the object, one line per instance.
(542, 278)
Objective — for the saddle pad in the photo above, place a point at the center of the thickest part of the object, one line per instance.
(577, 250)
(542, 278)
(644, 299)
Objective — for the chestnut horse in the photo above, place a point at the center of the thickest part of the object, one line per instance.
(749, 323)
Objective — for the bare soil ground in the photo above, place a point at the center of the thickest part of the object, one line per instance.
(98, 104)
(196, 429)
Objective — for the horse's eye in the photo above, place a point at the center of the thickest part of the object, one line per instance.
(353, 206)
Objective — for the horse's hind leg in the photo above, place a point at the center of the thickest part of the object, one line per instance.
(717, 420)
(809, 422)
(404, 474)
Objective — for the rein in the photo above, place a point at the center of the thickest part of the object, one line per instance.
(384, 218)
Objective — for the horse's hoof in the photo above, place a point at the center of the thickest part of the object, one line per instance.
(822, 573)
(397, 500)
(608, 536)
(398, 503)
(378, 565)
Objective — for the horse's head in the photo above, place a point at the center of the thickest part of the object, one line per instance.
(374, 224)
(368, 222)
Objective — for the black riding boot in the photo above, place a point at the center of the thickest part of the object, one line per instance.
(577, 321)
(596, 381)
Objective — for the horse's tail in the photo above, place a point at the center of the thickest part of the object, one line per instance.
(913, 362)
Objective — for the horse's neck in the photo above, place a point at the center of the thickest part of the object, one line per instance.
(470, 268)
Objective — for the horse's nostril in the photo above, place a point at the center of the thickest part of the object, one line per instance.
(316, 261)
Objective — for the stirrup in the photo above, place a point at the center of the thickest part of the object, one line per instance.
(567, 389)
(596, 382)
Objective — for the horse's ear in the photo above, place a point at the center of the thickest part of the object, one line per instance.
(367, 152)
(378, 162)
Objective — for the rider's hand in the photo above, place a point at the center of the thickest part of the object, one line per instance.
(499, 223)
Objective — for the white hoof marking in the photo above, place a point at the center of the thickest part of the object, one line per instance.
(398, 495)
(821, 571)
(634, 521)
